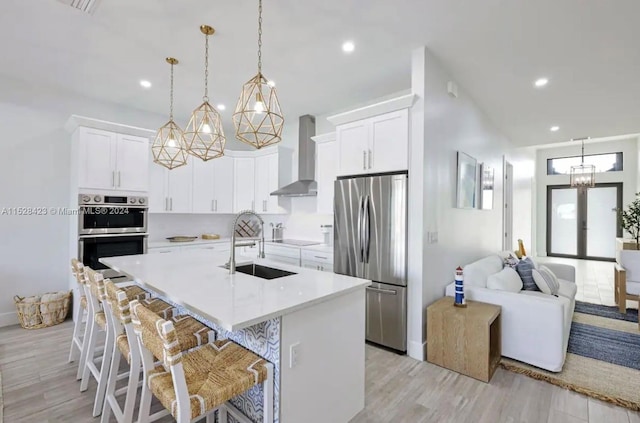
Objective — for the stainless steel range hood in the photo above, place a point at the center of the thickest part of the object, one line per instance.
(305, 186)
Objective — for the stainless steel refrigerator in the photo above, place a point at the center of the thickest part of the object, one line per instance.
(370, 242)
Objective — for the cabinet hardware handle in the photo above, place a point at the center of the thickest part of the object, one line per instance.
(320, 257)
(212, 206)
(253, 204)
(171, 204)
(113, 178)
(369, 159)
(118, 179)
(166, 203)
(364, 160)
(382, 291)
(216, 202)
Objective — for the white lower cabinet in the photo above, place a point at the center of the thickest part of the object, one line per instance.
(317, 260)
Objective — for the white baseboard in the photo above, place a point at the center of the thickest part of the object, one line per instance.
(416, 350)
(8, 319)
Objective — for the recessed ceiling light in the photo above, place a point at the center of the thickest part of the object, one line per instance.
(348, 47)
(555, 128)
(145, 84)
(271, 84)
(221, 107)
(541, 82)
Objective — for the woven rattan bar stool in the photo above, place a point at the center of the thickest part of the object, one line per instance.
(80, 315)
(191, 332)
(97, 326)
(194, 384)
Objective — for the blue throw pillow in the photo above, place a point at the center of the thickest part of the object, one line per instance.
(525, 270)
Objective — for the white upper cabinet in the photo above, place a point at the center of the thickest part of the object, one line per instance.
(111, 161)
(374, 138)
(223, 185)
(170, 191)
(203, 189)
(131, 163)
(326, 170)
(158, 175)
(353, 142)
(179, 189)
(389, 140)
(374, 145)
(267, 180)
(97, 159)
(262, 184)
(244, 184)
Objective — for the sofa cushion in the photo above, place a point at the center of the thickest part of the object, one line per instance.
(476, 273)
(567, 289)
(525, 270)
(505, 280)
(630, 260)
(545, 280)
(567, 308)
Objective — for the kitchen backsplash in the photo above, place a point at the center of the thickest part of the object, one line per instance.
(297, 226)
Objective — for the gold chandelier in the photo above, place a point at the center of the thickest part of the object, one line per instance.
(258, 118)
(204, 135)
(583, 175)
(168, 148)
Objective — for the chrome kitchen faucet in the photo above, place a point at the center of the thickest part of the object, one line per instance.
(246, 231)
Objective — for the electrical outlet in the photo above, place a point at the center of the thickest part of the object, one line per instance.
(293, 354)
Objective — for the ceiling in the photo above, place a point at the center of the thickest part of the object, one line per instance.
(494, 48)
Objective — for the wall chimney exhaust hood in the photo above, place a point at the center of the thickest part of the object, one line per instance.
(305, 186)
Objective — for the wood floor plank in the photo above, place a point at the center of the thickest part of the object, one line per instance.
(40, 386)
(569, 402)
(600, 411)
(556, 416)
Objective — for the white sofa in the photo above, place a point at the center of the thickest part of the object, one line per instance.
(535, 326)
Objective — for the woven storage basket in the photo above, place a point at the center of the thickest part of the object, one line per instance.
(34, 313)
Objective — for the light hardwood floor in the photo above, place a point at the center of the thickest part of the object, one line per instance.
(40, 386)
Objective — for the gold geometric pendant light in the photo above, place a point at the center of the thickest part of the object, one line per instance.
(168, 148)
(204, 134)
(258, 118)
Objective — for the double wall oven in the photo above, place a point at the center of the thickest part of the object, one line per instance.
(109, 226)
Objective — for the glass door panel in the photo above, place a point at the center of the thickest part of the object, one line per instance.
(602, 222)
(564, 221)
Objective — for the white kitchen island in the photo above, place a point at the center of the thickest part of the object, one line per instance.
(310, 325)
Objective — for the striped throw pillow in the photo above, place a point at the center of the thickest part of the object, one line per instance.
(525, 268)
(546, 281)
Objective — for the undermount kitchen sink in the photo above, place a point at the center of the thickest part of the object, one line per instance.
(263, 272)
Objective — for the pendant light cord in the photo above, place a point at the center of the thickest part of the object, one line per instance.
(260, 36)
(171, 96)
(583, 152)
(206, 69)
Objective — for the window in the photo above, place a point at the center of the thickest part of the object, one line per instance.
(608, 162)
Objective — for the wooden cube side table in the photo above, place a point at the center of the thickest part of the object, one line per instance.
(466, 340)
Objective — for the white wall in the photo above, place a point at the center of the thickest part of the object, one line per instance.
(628, 176)
(35, 154)
(442, 126)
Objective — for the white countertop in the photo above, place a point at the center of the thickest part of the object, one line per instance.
(195, 280)
(166, 243)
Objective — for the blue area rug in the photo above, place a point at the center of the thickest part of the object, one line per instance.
(606, 311)
(612, 346)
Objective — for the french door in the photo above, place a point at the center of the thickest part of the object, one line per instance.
(583, 222)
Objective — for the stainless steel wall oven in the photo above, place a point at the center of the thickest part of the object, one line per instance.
(110, 226)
